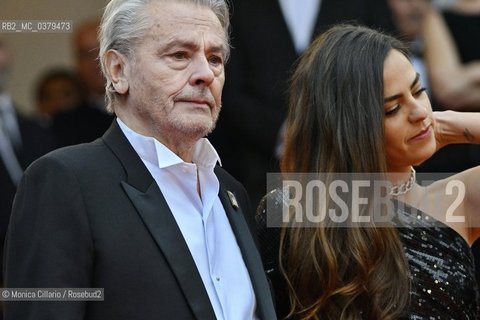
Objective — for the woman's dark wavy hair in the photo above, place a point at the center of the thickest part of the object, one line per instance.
(336, 124)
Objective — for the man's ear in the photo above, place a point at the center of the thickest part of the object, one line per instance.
(116, 67)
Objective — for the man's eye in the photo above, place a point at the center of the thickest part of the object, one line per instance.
(216, 60)
(179, 55)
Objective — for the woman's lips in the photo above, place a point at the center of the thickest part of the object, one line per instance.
(425, 133)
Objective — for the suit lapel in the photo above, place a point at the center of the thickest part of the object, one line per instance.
(250, 255)
(148, 200)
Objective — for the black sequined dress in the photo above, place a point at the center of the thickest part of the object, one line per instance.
(440, 260)
(441, 266)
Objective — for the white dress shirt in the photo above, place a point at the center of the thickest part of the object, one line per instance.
(300, 16)
(202, 221)
(9, 121)
(9, 139)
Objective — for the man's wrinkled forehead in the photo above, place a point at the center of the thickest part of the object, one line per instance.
(171, 21)
(186, 12)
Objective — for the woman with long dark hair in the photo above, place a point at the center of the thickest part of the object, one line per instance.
(357, 106)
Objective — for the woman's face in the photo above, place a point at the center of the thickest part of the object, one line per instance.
(409, 138)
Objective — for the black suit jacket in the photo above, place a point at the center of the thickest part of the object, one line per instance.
(92, 216)
(257, 76)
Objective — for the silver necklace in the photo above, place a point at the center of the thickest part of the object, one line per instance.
(403, 188)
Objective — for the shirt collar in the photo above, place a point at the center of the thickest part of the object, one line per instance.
(205, 155)
(153, 151)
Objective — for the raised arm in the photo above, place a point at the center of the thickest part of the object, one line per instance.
(453, 127)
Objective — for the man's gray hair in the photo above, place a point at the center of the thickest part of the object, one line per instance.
(125, 21)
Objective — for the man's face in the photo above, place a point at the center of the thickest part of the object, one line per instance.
(176, 76)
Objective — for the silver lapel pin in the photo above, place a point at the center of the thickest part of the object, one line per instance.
(233, 200)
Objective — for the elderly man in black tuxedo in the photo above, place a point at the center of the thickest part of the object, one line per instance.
(144, 212)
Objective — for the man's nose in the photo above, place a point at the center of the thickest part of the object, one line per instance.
(202, 73)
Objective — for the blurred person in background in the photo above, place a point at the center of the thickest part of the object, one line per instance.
(453, 54)
(58, 90)
(407, 18)
(86, 47)
(452, 57)
(89, 120)
(22, 140)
